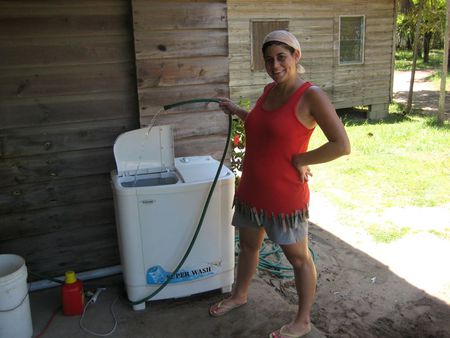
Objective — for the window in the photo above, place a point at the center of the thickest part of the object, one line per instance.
(351, 39)
(259, 31)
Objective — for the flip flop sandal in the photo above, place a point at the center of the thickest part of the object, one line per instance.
(220, 309)
(281, 333)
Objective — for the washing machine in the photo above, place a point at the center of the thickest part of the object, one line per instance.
(158, 203)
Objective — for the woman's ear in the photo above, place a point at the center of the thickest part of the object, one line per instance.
(297, 55)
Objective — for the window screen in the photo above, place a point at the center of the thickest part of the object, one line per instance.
(351, 39)
(259, 31)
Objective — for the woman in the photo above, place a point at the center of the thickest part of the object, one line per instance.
(273, 193)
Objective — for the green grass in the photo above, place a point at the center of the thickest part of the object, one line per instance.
(403, 60)
(436, 79)
(443, 234)
(387, 234)
(400, 161)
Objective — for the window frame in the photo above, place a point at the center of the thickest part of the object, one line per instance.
(363, 41)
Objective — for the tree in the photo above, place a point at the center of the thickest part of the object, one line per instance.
(444, 67)
(415, 49)
(432, 17)
(433, 24)
(405, 24)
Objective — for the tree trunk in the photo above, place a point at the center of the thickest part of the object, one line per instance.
(441, 113)
(448, 61)
(415, 50)
(409, 44)
(426, 47)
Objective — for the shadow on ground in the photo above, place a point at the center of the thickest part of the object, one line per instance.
(424, 101)
(357, 297)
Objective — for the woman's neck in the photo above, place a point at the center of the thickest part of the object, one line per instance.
(288, 87)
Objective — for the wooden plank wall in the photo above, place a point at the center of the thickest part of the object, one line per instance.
(181, 51)
(316, 24)
(67, 90)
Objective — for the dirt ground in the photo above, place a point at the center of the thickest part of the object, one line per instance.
(426, 95)
(368, 289)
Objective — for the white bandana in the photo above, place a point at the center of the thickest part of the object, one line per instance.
(289, 39)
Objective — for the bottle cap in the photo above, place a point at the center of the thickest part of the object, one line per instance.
(70, 277)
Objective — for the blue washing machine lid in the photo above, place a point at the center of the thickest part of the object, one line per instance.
(143, 151)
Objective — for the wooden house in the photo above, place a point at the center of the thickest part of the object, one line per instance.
(67, 90)
(76, 74)
(347, 47)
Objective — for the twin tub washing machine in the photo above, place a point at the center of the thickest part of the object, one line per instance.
(158, 202)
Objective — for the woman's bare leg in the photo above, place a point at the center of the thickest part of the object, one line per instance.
(250, 240)
(305, 281)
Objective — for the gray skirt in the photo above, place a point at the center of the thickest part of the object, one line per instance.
(275, 232)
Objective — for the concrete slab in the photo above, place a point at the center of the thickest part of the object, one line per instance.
(183, 317)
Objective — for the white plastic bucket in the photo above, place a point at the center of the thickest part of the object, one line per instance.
(15, 314)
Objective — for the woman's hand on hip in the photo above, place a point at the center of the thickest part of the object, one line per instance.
(304, 171)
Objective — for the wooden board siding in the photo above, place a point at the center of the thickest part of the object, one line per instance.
(67, 90)
(181, 51)
(316, 24)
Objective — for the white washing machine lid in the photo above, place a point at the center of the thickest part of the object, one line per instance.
(199, 168)
(142, 151)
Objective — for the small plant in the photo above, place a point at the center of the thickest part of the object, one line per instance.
(238, 141)
(396, 108)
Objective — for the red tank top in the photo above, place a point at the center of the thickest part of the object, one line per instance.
(270, 187)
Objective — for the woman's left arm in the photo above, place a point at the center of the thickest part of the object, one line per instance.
(323, 112)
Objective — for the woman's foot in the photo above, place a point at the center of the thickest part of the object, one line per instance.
(291, 331)
(224, 306)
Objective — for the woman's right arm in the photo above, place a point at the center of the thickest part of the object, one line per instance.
(229, 107)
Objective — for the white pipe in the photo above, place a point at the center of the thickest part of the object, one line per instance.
(85, 275)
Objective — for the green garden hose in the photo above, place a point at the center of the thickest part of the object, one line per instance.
(176, 104)
(271, 259)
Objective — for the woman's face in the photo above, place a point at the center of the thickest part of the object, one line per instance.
(281, 64)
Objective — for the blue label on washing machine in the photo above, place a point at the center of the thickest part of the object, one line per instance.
(157, 275)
